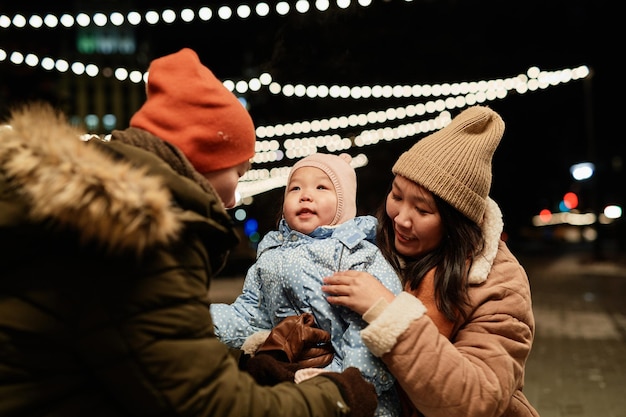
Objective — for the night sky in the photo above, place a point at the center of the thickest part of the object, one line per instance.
(398, 42)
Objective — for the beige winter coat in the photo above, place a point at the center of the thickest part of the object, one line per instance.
(479, 371)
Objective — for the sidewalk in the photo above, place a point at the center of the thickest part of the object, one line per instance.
(578, 364)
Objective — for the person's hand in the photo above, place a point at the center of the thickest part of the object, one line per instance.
(358, 394)
(356, 290)
(266, 370)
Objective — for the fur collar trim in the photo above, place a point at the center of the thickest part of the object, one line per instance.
(75, 186)
(491, 226)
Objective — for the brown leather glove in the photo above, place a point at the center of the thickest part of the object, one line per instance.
(358, 394)
(297, 339)
(266, 370)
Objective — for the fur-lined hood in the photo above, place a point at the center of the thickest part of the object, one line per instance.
(491, 226)
(71, 184)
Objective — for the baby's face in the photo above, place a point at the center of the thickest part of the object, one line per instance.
(310, 200)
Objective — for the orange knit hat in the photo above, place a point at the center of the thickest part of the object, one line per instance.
(190, 108)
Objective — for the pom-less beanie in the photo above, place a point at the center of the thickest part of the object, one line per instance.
(190, 108)
(454, 163)
(343, 177)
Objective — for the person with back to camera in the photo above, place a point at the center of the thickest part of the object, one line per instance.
(458, 337)
(108, 249)
(318, 233)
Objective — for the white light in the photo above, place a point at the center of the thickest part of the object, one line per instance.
(322, 5)
(67, 20)
(240, 214)
(121, 74)
(35, 21)
(229, 84)
(83, 19)
(205, 13)
(5, 22)
(274, 88)
(47, 63)
(613, 212)
(31, 60)
(299, 90)
(255, 84)
(241, 86)
(133, 18)
(19, 21)
(136, 76)
(582, 171)
(187, 15)
(100, 19)
(288, 90)
(265, 78)
(224, 12)
(169, 16)
(343, 4)
(62, 65)
(302, 6)
(282, 8)
(322, 91)
(262, 9)
(92, 70)
(152, 17)
(243, 11)
(117, 18)
(17, 58)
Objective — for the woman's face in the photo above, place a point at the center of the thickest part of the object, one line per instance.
(225, 182)
(416, 221)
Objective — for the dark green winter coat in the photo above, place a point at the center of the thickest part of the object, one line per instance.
(106, 256)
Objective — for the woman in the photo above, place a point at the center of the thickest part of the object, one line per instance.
(458, 337)
(108, 250)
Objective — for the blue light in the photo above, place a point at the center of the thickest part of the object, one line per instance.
(250, 227)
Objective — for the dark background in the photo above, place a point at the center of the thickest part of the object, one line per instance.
(397, 42)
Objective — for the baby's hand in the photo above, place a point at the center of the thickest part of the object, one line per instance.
(306, 373)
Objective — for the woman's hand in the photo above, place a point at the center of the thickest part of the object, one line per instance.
(356, 290)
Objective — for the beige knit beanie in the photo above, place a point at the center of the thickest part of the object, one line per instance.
(455, 162)
(342, 174)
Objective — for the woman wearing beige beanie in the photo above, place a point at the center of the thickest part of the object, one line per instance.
(458, 337)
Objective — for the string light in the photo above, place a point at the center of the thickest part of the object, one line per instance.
(168, 16)
(269, 150)
(317, 133)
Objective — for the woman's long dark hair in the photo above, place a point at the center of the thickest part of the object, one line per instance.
(462, 241)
